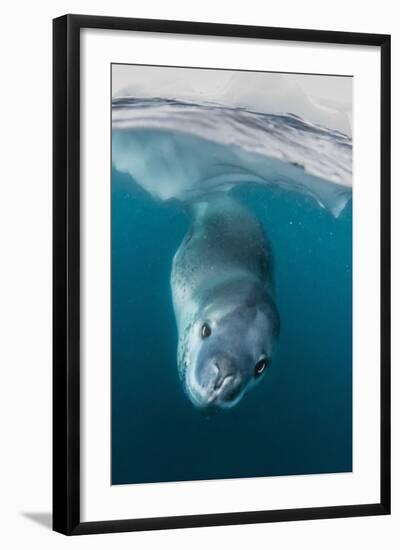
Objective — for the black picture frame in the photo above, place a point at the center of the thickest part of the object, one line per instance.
(66, 273)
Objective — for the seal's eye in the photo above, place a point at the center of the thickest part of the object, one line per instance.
(205, 331)
(260, 367)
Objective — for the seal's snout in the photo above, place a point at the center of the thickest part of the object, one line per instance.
(224, 371)
(220, 381)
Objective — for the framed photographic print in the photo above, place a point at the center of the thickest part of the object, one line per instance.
(221, 274)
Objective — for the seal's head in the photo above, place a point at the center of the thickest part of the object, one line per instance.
(228, 351)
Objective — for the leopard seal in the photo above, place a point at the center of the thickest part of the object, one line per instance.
(223, 297)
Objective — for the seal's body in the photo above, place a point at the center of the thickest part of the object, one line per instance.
(223, 299)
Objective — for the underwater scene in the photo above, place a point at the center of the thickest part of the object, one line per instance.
(231, 298)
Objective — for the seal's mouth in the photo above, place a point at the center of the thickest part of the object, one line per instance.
(226, 392)
(220, 392)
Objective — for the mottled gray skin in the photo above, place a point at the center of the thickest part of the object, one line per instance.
(222, 276)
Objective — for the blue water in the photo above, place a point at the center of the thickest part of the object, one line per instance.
(299, 419)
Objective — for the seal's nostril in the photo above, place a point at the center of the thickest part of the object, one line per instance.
(233, 393)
